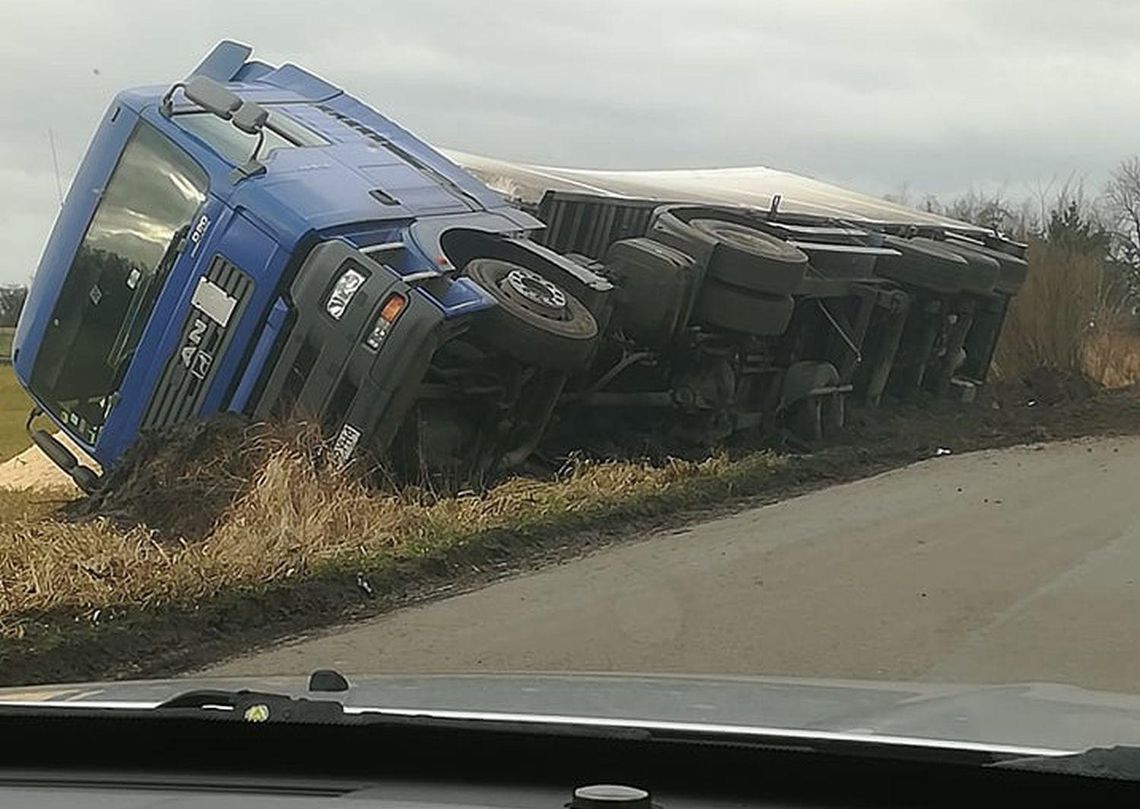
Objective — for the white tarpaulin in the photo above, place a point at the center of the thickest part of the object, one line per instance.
(752, 187)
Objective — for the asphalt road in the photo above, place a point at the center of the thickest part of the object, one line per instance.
(1011, 565)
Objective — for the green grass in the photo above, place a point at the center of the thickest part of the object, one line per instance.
(14, 407)
(16, 506)
(6, 333)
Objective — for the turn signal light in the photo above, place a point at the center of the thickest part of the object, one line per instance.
(393, 307)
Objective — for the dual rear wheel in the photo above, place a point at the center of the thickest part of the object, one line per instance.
(749, 274)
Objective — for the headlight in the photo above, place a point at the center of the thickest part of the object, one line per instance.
(342, 292)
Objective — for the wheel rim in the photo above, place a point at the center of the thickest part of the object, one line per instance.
(535, 292)
(744, 241)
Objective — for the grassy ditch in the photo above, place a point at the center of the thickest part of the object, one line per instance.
(94, 598)
(277, 545)
(294, 521)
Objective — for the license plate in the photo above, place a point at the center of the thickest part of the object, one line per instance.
(345, 444)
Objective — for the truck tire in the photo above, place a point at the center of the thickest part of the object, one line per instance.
(535, 322)
(833, 414)
(805, 420)
(922, 263)
(982, 270)
(1011, 269)
(751, 259)
(725, 307)
(734, 253)
(1009, 248)
(1013, 274)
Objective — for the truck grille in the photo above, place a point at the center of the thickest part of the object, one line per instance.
(189, 371)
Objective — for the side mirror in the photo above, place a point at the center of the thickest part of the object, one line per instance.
(250, 117)
(212, 96)
(246, 116)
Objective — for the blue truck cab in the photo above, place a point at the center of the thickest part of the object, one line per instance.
(293, 252)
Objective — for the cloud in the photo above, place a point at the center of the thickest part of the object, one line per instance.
(941, 95)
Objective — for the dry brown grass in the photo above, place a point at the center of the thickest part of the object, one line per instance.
(1064, 320)
(1112, 357)
(1052, 320)
(293, 520)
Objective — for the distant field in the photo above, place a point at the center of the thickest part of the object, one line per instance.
(14, 407)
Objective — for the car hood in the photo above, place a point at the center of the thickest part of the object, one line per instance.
(1031, 716)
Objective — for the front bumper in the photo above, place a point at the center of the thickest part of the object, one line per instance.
(324, 370)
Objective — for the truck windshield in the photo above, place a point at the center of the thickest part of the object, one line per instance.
(117, 272)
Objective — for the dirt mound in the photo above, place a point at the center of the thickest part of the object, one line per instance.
(180, 481)
(1051, 386)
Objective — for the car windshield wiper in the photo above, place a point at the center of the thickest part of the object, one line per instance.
(1118, 763)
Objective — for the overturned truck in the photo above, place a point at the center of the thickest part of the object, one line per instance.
(253, 240)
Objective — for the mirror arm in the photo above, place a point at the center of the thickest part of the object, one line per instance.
(167, 106)
(253, 166)
(257, 148)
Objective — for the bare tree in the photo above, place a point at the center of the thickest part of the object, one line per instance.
(1122, 198)
(991, 209)
(11, 304)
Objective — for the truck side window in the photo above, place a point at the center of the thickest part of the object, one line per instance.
(115, 277)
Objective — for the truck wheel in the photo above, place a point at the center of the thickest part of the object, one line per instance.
(833, 414)
(982, 271)
(805, 419)
(1011, 269)
(1013, 274)
(725, 307)
(735, 253)
(535, 321)
(941, 266)
(749, 258)
(922, 263)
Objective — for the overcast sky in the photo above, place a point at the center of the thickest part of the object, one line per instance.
(939, 96)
